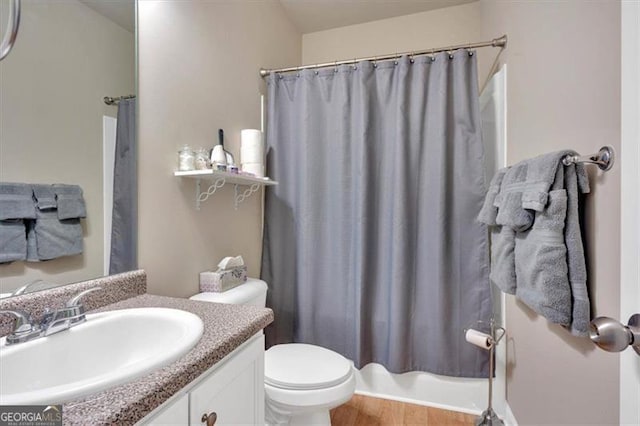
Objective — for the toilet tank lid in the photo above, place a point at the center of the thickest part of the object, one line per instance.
(243, 293)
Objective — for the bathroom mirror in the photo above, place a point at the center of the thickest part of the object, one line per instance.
(55, 126)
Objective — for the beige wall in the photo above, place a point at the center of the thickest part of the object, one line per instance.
(440, 27)
(66, 58)
(563, 90)
(198, 71)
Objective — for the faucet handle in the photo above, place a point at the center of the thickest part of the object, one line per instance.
(23, 323)
(23, 327)
(75, 300)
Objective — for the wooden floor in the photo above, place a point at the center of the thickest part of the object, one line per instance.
(368, 411)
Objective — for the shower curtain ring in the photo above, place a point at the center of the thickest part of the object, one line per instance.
(315, 69)
(433, 55)
(335, 65)
(375, 62)
(412, 57)
(395, 62)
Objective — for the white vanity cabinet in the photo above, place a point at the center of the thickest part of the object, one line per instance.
(230, 392)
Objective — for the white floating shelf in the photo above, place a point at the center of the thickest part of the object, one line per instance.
(219, 179)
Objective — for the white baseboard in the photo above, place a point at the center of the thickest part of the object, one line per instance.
(509, 418)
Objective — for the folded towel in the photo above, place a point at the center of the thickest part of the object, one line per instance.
(489, 211)
(50, 237)
(16, 201)
(44, 196)
(509, 199)
(70, 202)
(13, 240)
(542, 175)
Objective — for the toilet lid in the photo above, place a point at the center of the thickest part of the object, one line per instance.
(302, 367)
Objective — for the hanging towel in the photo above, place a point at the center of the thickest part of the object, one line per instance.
(541, 265)
(48, 236)
(13, 240)
(16, 201)
(70, 201)
(44, 196)
(489, 211)
(16, 204)
(509, 199)
(541, 260)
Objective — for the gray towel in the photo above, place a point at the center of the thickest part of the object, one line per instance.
(509, 199)
(503, 261)
(489, 211)
(44, 196)
(50, 237)
(526, 186)
(576, 181)
(16, 201)
(541, 262)
(13, 240)
(70, 201)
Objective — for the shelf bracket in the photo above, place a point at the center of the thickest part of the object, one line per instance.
(241, 196)
(202, 196)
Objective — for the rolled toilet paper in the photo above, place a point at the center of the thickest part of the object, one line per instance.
(477, 338)
(257, 169)
(251, 146)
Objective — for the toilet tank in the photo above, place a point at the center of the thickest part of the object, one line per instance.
(252, 292)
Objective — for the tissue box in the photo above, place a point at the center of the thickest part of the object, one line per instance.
(220, 281)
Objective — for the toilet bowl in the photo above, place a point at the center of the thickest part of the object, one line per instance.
(302, 382)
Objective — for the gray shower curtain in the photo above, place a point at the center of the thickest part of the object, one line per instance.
(124, 225)
(371, 247)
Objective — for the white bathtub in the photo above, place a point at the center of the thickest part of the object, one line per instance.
(450, 393)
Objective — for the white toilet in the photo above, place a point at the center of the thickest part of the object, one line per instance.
(302, 382)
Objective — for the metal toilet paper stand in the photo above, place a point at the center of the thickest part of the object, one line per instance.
(488, 416)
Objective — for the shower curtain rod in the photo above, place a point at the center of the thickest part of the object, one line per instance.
(496, 42)
(112, 101)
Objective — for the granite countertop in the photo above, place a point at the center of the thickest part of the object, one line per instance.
(225, 328)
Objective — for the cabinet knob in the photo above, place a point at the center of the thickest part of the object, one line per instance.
(209, 419)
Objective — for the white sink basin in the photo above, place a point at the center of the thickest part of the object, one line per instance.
(109, 349)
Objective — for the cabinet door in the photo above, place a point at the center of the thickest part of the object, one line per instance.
(174, 413)
(234, 391)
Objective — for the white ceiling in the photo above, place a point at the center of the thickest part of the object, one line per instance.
(122, 12)
(307, 15)
(318, 15)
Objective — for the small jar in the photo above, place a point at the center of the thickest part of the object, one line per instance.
(186, 159)
(202, 159)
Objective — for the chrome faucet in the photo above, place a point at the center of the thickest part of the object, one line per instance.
(53, 321)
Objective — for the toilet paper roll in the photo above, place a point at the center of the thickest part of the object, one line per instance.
(252, 155)
(477, 338)
(251, 146)
(256, 169)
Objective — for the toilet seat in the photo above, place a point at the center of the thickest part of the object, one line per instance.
(303, 367)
